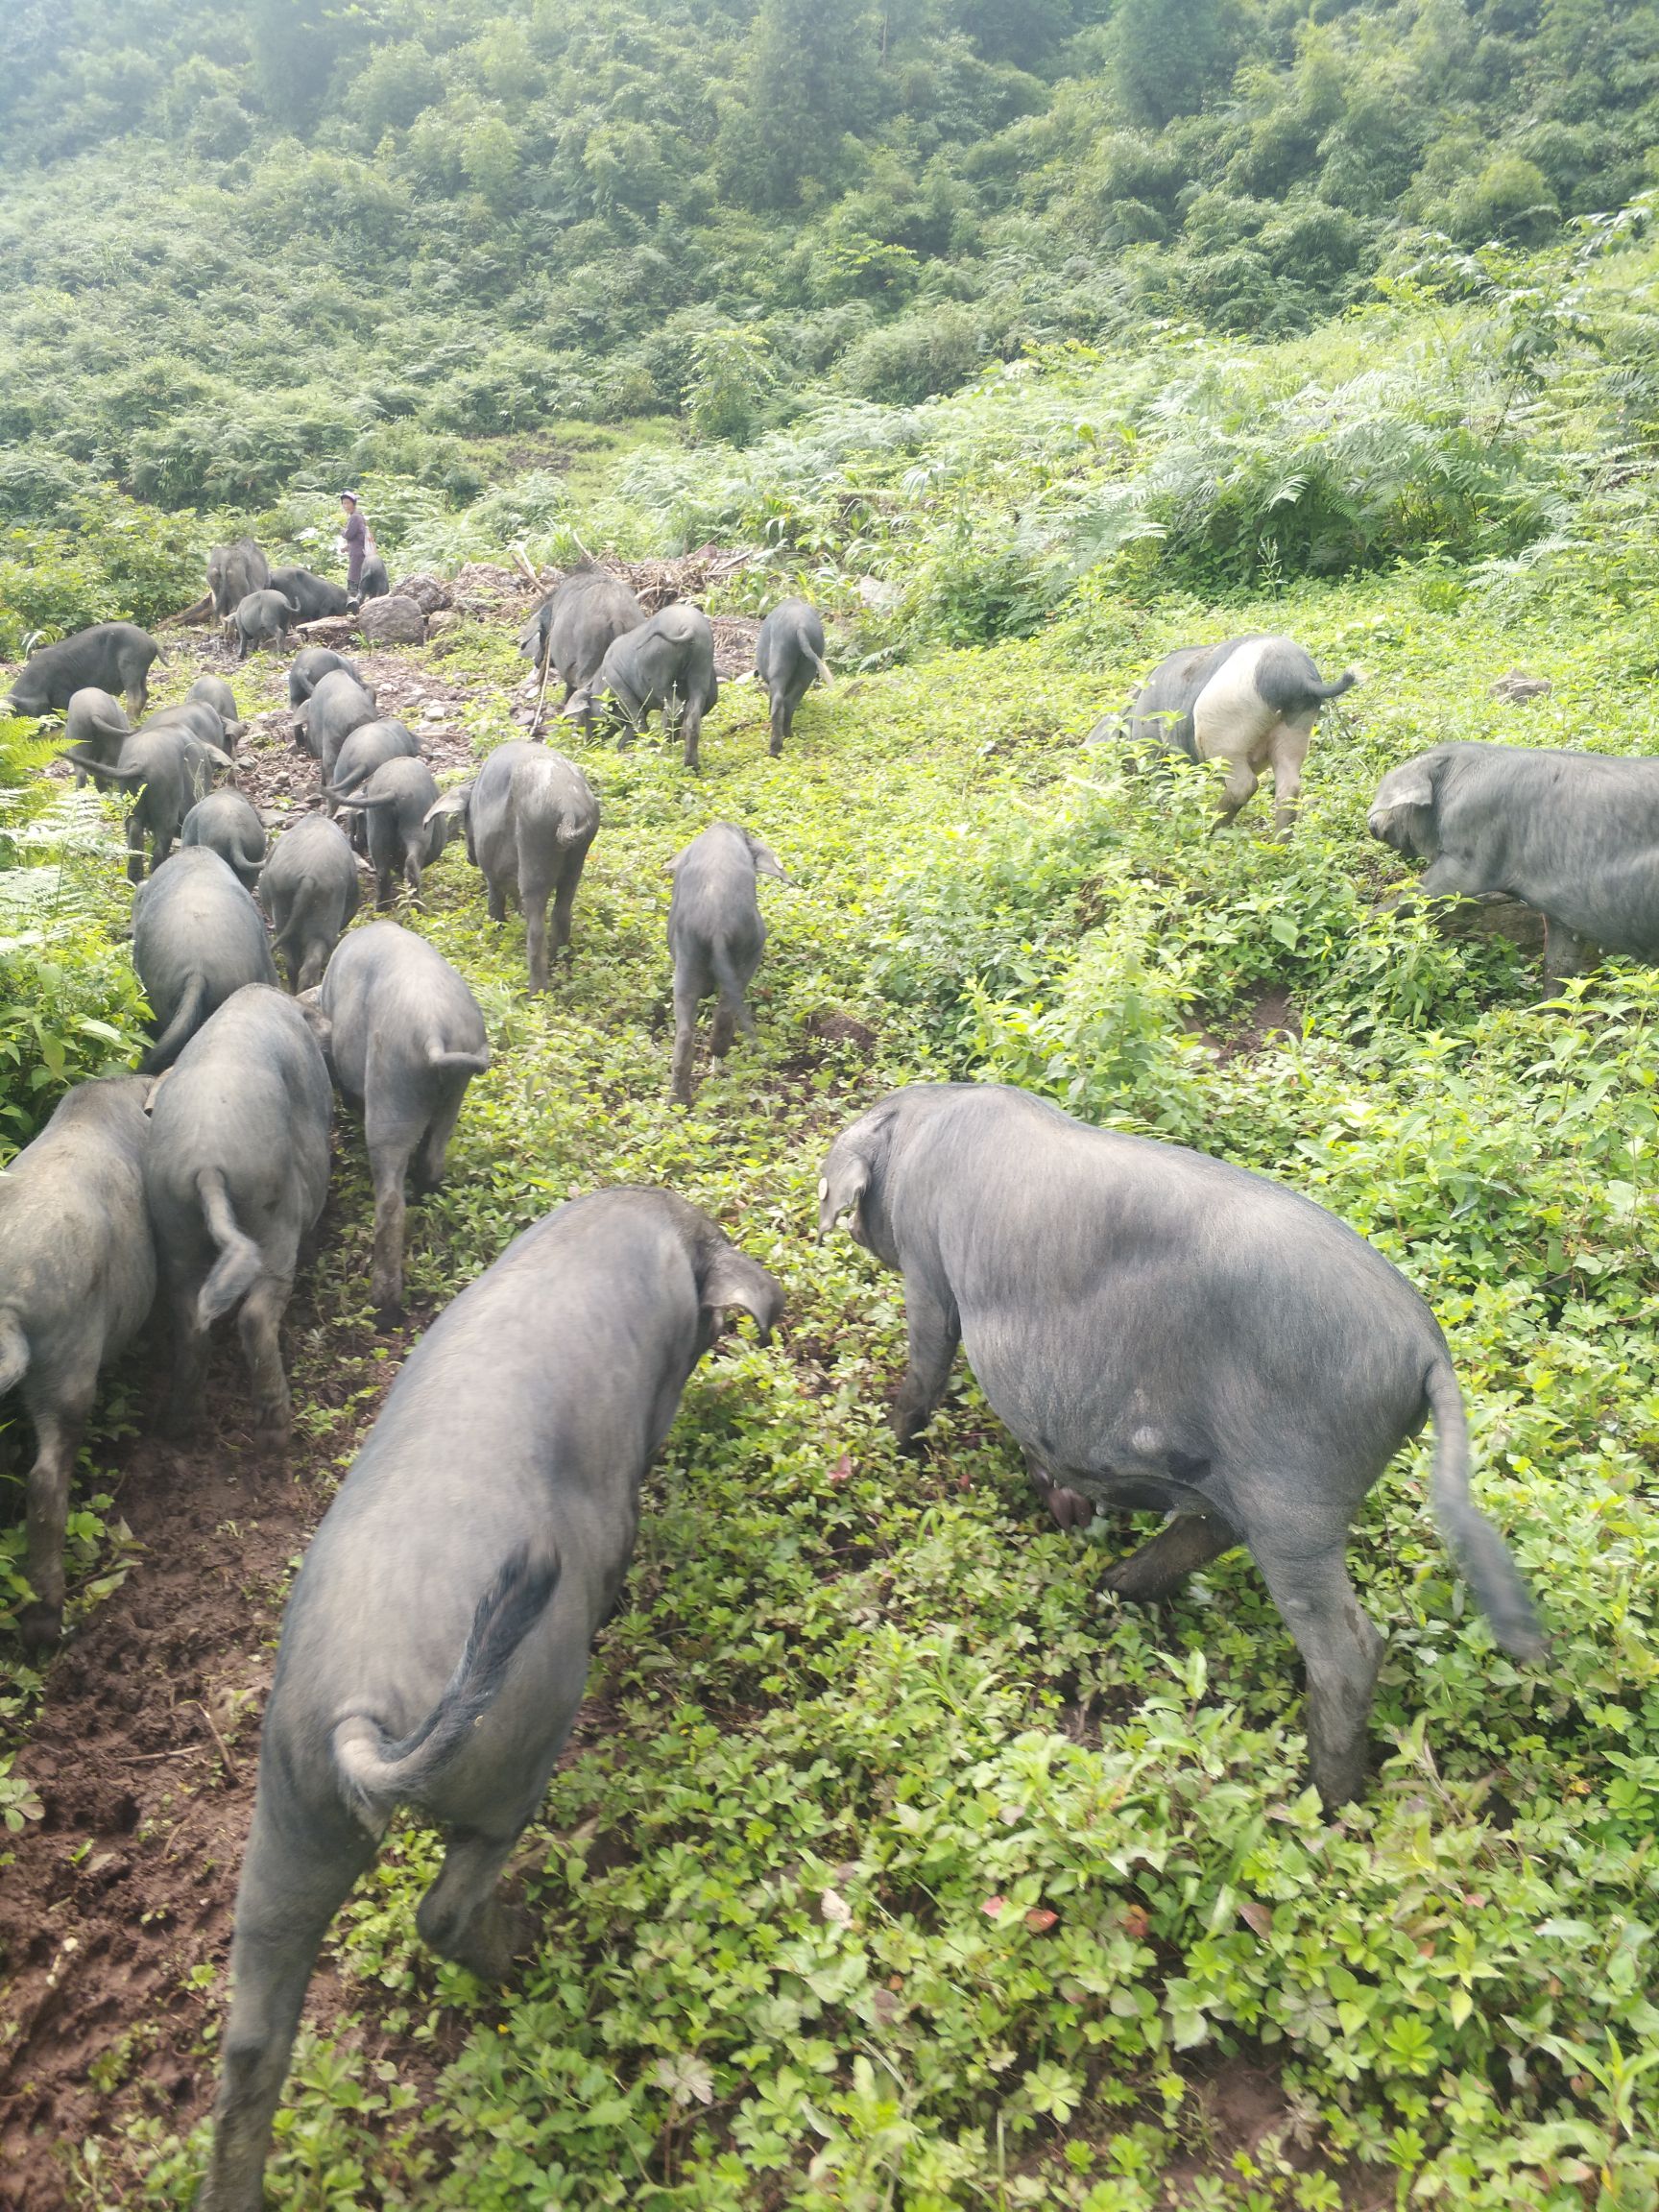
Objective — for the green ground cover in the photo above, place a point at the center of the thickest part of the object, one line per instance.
(902, 1866)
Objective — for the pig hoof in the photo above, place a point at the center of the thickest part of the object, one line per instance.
(490, 1945)
(1070, 1507)
(1137, 1583)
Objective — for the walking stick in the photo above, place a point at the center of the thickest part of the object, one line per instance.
(546, 664)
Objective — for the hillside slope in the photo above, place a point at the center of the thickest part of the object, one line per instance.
(892, 1864)
(894, 1867)
(249, 241)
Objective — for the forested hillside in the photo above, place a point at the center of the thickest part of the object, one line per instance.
(247, 240)
(897, 1863)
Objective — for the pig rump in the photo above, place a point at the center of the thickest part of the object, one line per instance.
(378, 1773)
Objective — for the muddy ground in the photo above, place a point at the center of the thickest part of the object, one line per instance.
(142, 1757)
(142, 1754)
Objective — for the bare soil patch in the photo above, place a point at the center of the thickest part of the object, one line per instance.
(1269, 1015)
(143, 1755)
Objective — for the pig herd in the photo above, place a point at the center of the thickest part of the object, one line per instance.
(1156, 1329)
(259, 605)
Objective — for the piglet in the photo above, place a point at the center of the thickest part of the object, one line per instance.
(403, 1038)
(716, 936)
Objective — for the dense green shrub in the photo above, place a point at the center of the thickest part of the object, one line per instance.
(108, 559)
(917, 356)
(1510, 200)
(69, 1002)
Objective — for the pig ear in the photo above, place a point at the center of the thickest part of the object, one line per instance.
(732, 1279)
(1415, 790)
(841, 1190)
(310, 1005)
(671, 867)
(766, 861)
(577, 705)
(454, 801)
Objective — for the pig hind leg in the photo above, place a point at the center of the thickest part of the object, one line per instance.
(189, 1354)
(692, 984)
(1237, 788)
(289, 1895)
(279, 911)
(534, 893)
(1162, 1564)
(571, 862)
(1288, 750)
(315, 964)
(389, 1155)
(564, 904)
(426, 1169)
(1565, 953)
(259, 1324)
(462, 1918)
(691, 729)
(1342, 1652)
(57, 1428)
(732, 1012)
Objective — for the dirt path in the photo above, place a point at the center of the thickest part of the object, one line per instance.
(142, 1755)
(115, 1911)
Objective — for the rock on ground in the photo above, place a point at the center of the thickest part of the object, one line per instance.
(395, 620)
(429, 593)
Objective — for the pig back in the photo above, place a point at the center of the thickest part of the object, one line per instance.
(77, 1261)
(527, 1413)
(1121, 1299)
(1573, 834)
(249, 1096)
